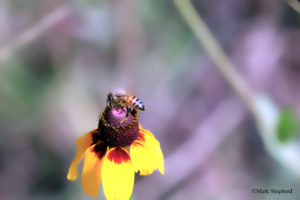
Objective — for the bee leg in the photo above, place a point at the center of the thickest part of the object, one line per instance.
(109, 105)
(127, 114)
(128, 111)
(133, 111)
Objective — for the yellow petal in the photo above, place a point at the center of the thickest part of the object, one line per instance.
(91, 171)
(140, 126)
(146, 154)
(117, 175)
(141, 156)
(82, 144)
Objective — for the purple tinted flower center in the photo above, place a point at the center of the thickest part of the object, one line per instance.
(119, 113)
(117, 127)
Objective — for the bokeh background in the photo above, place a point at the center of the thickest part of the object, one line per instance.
(59, 59)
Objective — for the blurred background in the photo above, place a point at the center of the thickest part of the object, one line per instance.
(59, 59)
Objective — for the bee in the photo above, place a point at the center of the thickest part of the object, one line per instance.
(124, 99)
(130, 100)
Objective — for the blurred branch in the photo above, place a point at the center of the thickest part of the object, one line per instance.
(294, 4)
(34, 32)
(202, 143)
(197, 149)
(262, 108)
(218, 56)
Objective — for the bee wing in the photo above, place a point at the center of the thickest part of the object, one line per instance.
(129, 90)
(124, 92)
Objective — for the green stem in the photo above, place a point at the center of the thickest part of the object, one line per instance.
(294, 4)
(218, 56)
(263, 110)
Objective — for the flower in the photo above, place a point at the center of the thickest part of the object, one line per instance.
(114, 151)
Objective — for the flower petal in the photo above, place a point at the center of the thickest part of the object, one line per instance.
(146, 154)
(82, 144)
(117, 175)
(157, 151)
(91, 171)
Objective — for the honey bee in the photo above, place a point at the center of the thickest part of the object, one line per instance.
(131, 100)
(123, 99)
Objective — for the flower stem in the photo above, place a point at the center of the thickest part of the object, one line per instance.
(262, 109)
(218, 56)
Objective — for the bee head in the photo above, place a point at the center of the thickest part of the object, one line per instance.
(110, 97)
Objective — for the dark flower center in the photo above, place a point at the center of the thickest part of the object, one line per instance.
(117, 129)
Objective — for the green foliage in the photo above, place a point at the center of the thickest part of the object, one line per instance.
(288, 126)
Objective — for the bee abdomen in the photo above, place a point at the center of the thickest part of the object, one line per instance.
(136, 103)
(139, 105)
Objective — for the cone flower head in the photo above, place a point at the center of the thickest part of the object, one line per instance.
(113, 152)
